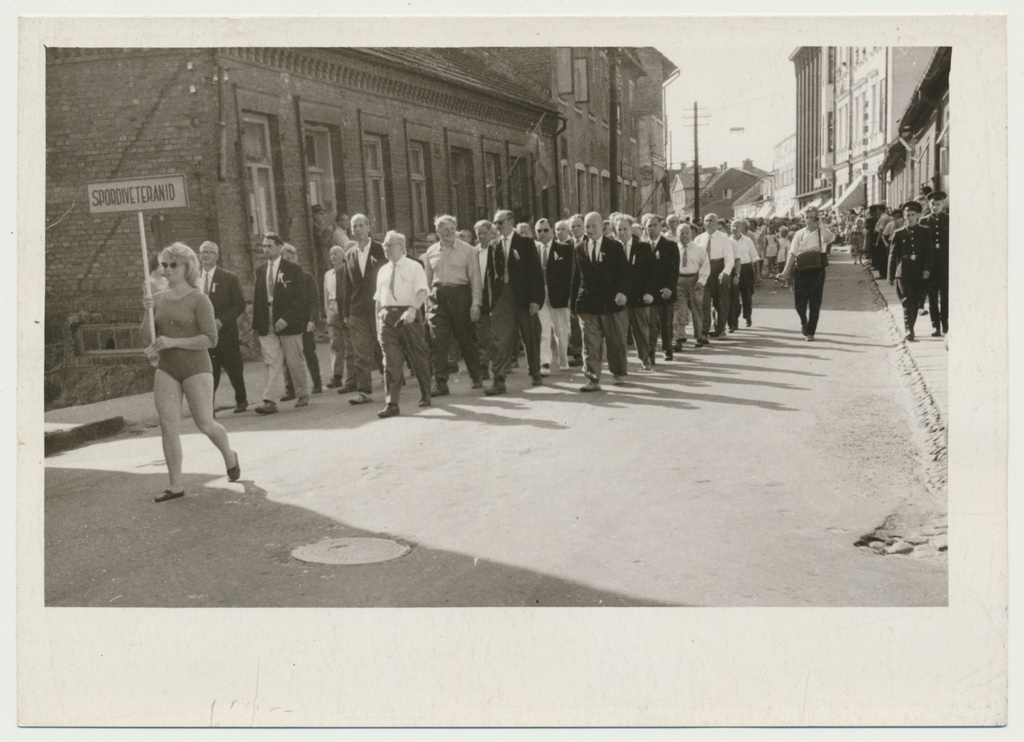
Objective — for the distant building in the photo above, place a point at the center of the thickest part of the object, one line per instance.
(726, 186)
(757, 200)
(784, 172)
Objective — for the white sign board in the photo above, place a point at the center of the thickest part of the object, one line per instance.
(138, 194)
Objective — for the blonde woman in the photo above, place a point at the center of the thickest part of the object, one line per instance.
(185, 329)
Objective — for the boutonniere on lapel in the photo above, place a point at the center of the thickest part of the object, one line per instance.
(213, 288)
(515, 253)
(281, 280)
(556, 256)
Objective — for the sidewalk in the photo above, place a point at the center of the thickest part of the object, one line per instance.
(930, 354)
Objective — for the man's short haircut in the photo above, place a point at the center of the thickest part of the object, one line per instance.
(439, 220)
(209, 245)
(275, 237)
(336, 249)
(650, 217)
(710, 218)
(483, 223)
(562, 223)
(394, 237)
(290, 248)
(624, 218)
(739, 222)
(542, 220)
(503, 214)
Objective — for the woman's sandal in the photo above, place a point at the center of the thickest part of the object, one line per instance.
(234, 472)
(168, 495)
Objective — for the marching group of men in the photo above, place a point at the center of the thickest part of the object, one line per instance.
(572, 294)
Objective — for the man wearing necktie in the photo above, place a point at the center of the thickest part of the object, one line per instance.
(225, 292)
(279, 316)
(342, 358)
(640, 297)
(515, 286)
(362, 261)
(556, 264)
(666, 270)
(599, 284)
(401, 290)
(720, 254)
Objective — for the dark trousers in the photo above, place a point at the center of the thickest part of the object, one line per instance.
(575, 336)
(363, 334)
(611, 329)
(312, 363)
(716, 292)
(639, 324)
(938, 302)
(747, 289)
(403, 343)
(229, 357)
(734, 301)
(506, 318)
(666, 312)
(911, 294)
(808, 289)
(449, 319)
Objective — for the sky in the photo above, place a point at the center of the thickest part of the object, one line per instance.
(753, 90)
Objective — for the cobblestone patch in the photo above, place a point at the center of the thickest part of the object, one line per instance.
(918, 529)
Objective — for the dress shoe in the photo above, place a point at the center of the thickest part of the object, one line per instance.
(668, 355)
(288, 397)
(362, 398)
(424, 403)
(347, 389)
(910, 338)
(318, 390)
(748, 323)
(937, 333)
(714, 334)
(809, 338)
(241, 407)
(453, 367)
(267, 408)
(390, 411)
(302, 401)
(545, 369)
(619, 380)
(168, 495)
(703, 342)
(234, 472)
(537, 380)
(478, 384)
(576, 361)
(647, 368)
(333, 383)
(591, 386)
(495, 389)
(439, 390)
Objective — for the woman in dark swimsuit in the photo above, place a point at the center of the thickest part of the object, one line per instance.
(185, 329)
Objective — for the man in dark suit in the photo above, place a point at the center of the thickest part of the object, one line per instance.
(937, 224)
(290, 254)
(600, 281)
(666, 260)
(515, 289)
(225, 292)
(910, 264)
(640, 297)
(279, 316)
(362, 262)
(556, 264)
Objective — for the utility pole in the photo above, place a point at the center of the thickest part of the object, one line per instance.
(696, 169)
(613, 127)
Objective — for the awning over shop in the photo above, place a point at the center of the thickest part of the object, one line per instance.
(766, 210)
(826, 205)
(854, 196)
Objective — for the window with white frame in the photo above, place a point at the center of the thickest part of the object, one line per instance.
(319, 164)
(376, 184)
(259, 173)
(492, 180)
(581, 75)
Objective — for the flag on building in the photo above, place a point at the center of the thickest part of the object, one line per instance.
(538, 149)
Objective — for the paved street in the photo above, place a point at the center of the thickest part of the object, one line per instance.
(738, 475)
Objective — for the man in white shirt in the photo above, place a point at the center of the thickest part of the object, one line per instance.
(341, 350)
(748, 258)
(401, 291)
(720, 254)
(694, 269)
(809, 284)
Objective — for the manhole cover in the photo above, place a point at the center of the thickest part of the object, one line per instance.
(351, 551)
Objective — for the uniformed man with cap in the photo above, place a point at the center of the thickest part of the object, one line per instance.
(937, 224)
(910, 264)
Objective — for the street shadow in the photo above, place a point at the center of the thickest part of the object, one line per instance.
(107, 544)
